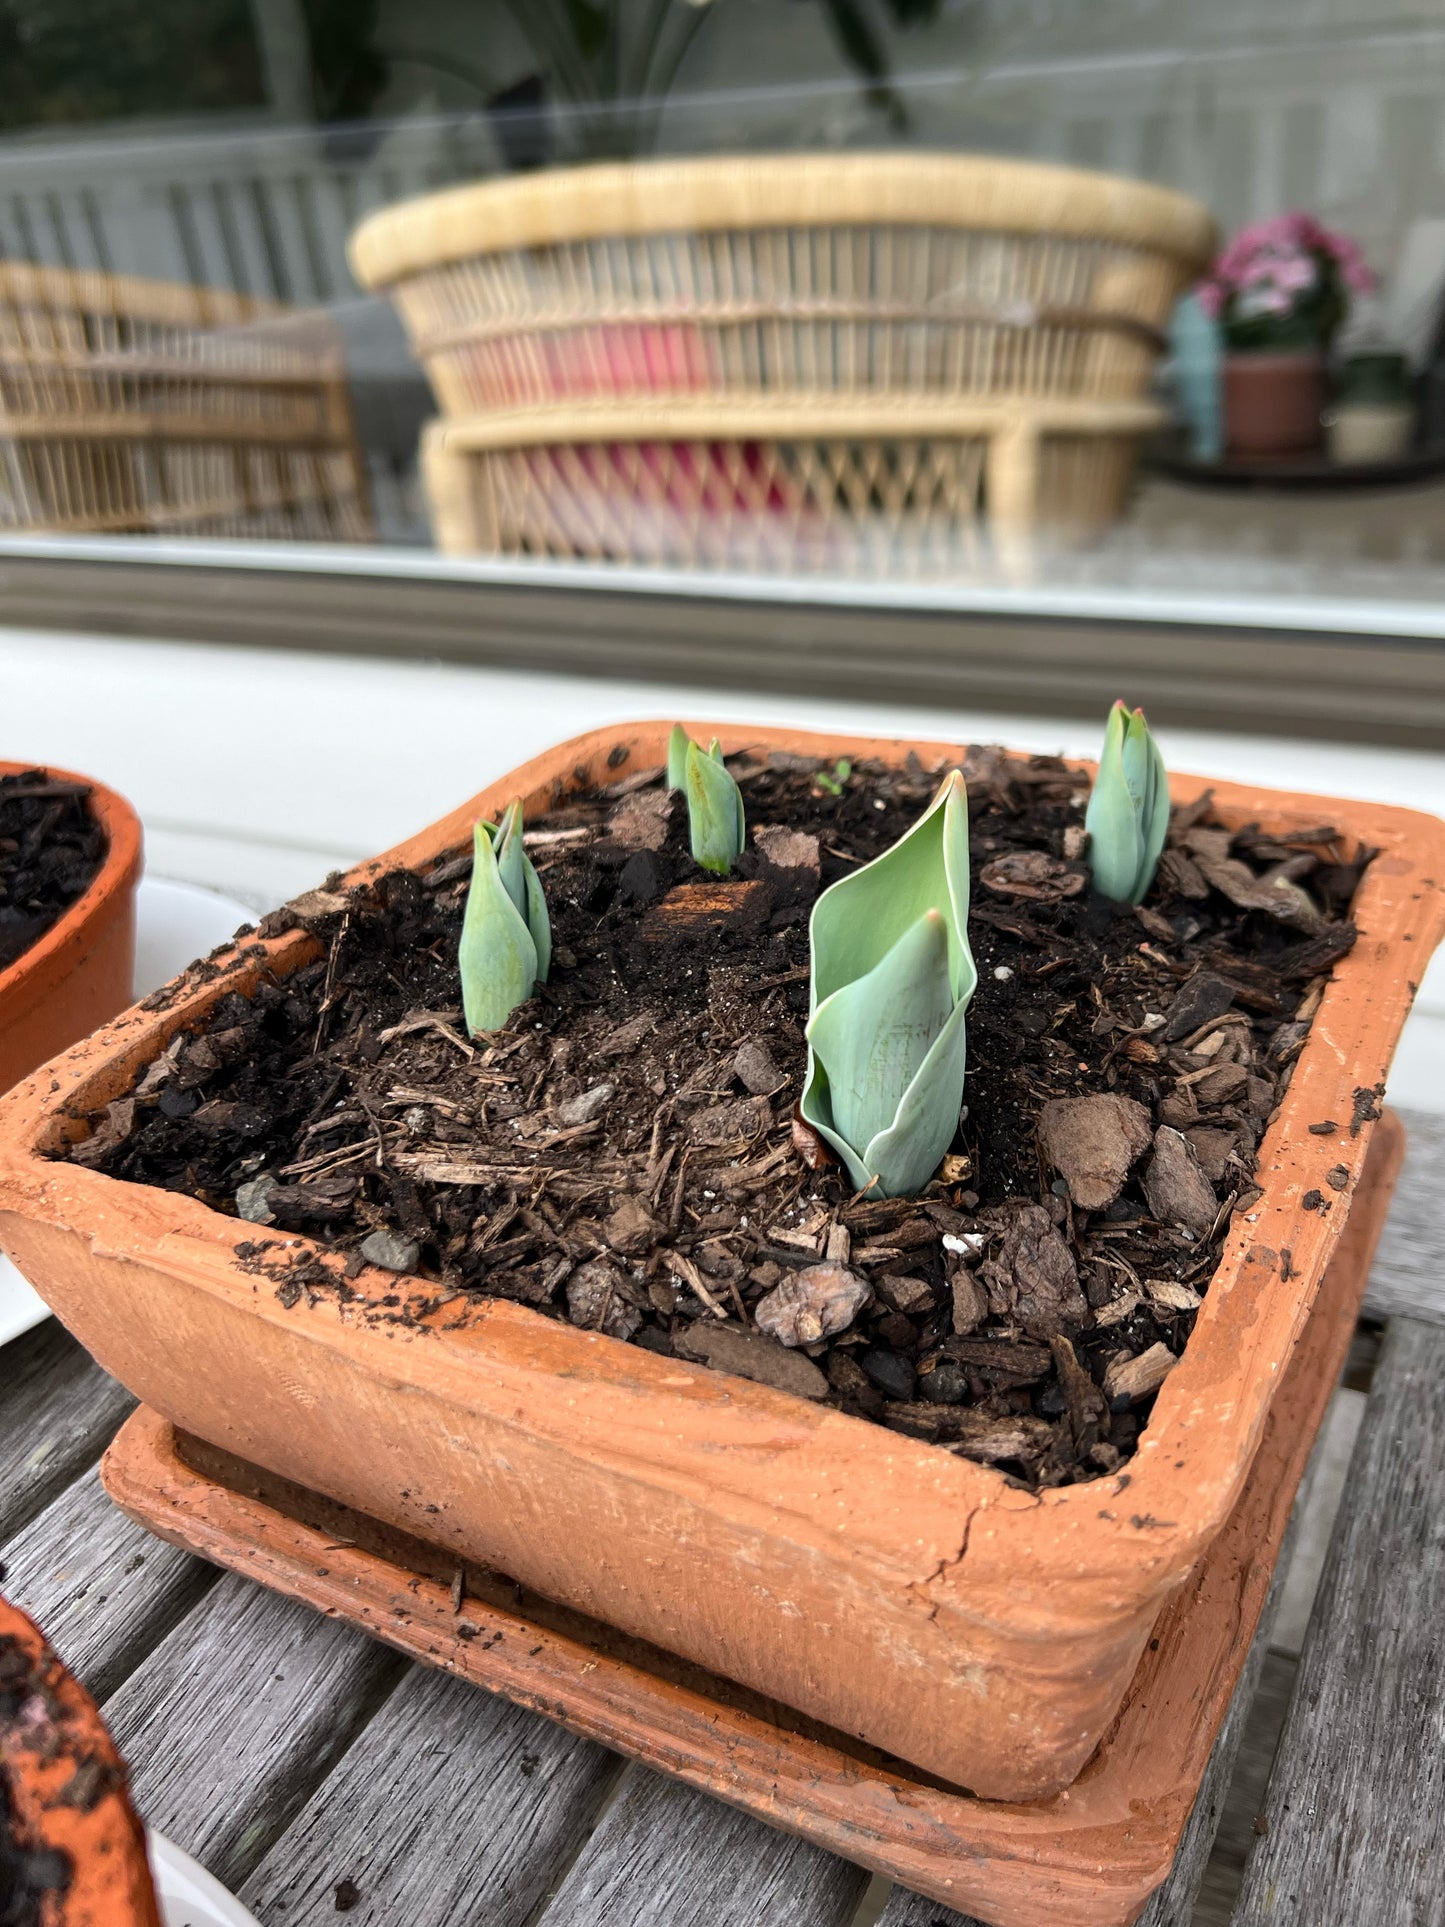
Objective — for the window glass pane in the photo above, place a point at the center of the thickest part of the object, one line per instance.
(977, 374)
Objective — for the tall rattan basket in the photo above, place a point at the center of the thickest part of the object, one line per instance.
(819, 337)
(135, 406)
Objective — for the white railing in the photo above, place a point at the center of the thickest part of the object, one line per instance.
(1286, 105)
(264, 211)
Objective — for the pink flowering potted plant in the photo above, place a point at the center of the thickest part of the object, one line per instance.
(1279, 292)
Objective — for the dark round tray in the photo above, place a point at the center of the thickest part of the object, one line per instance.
(1296, 471)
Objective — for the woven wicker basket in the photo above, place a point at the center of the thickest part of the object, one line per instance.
(897, 287)
(131, 406)
(764, 483)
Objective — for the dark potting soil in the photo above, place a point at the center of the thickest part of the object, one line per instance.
(623, 1155)
(30, 1875)
(27, 1875)
(50, 850)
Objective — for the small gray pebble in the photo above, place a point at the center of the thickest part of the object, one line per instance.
(755, 1069)
(253, 1200)
(585, 1106)
(946, 1384)
(890, 1372)
(391, 1251)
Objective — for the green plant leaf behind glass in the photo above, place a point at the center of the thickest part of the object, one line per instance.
(506, 944)
(1128, 814)
(716, 821)
(892, 975)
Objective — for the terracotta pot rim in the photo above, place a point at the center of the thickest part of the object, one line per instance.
(1210, 1413)
(103, 1844)
(119, 869)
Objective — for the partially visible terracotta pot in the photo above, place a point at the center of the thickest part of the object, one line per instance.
(897, 1593)
(75, 1840)
(1274, 401)
(80, 972)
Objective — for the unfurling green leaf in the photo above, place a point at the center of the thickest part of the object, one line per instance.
(714, 809)
(1128, 814)
(522, 883)
(677, 744)
(506, 946)
(892, 977)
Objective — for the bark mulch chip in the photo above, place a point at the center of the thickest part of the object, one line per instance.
(624, 1154)
(50, 850)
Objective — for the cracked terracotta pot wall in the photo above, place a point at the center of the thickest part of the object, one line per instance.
(81, 971)
(899, 1594)
(75, 1830)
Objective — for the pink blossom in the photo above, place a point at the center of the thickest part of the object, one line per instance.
(1296, 274)
(1307, 232)
(1282, 257)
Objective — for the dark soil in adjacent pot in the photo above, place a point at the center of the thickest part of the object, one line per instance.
(624, 1154)
(51, 848)
(30, 1875)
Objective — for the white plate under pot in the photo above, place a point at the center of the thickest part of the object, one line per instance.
(175, 923)
(188, 1895)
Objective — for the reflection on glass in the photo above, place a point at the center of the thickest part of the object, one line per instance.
(844, 368)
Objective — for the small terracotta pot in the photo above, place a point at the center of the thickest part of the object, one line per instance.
(881, 1585)
(81, 971)
(1274, 402)
(70, 1813)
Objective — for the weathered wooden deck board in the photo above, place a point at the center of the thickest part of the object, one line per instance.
(1319, 1506)
(1176, 1900)
(452, 1806)
(665, 1856)
(104, 1589)
(1353, 1806)
(1408, 1278)
(57, 1413)
(912, 1910)
(1173, 1904)
(1236, 1838)
(238, 1715)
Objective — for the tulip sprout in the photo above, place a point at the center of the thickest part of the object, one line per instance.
(506, 946)
(715, 818)
(1128, 814)
(892, 977)
(677, 744)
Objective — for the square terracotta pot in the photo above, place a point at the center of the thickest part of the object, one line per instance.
(1088, 1857)
(82, 970)
(901, 1595)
